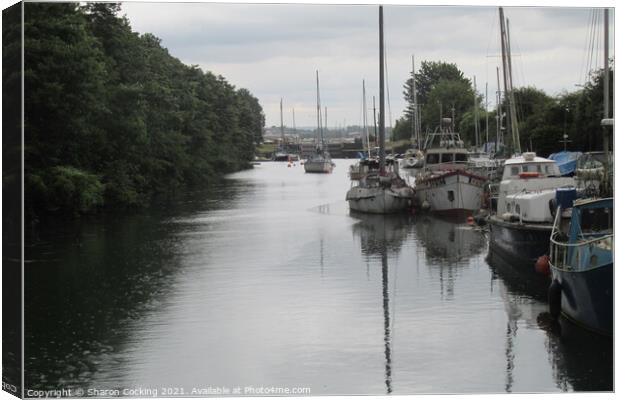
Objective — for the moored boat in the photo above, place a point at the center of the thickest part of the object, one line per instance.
(527, 198)
(445, 185)
(581, 261)
(320, 161)
(380, 190)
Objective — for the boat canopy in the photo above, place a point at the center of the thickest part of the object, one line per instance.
(567, 161)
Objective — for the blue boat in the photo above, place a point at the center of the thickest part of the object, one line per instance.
(566, 160)
(581, 261)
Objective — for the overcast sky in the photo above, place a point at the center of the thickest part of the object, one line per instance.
(274, 49)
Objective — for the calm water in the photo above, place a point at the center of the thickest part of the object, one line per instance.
(268, 280)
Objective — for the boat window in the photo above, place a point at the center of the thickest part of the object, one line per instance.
(461, 157)
(432, 158)
(508, 207)
(450, 195)
(546, 169)
(596, 220)
(446, 157)
(518, 209)
(514, 171)
(538, 168)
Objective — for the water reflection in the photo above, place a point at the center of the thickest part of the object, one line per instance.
(581, 360)
(449, 245)
(448, 242)
(88, 281)
(381, 235)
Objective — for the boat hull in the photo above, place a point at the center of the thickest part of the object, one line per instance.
(456, 192)
(378, 200)
(587, 297)
(522, 242)
(324, 167)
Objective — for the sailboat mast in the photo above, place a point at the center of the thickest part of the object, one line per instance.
(486, 110)
(318, 111)
(364, 116)
(606, 82)
(374, 119)
(476, 130)
(504, 63)
(513, 106)
(416, 113)
(499, 113)
(381, 96)
(413, 94)
(281, 123)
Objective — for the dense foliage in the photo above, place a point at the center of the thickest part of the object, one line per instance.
(112, 119)
(543, 120)
(441, 88)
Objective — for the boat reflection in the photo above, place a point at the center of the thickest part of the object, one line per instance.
(447, 242)
(382, 235)
(581, 360)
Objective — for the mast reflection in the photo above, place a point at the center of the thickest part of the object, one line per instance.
(381, 235)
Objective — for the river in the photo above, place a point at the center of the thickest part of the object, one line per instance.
(267, 280)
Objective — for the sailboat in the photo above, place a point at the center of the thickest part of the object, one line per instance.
(320, 161)
(282, 153)
(414, 158)
(381, 190)
(360, 168)
(529, 191)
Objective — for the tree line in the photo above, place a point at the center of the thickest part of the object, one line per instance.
(543, 120)
(111, 119)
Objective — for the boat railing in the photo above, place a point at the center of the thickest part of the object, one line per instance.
(566, 255)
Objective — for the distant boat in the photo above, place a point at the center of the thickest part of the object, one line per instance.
(566, 160)
(320, 161)
(582, 263)
(380, 190)
(282, 153)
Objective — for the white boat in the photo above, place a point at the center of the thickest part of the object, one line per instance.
(526, 204)
(413, 159)
(378, 193)
(380, 190)
(445, 185)
(320, 161)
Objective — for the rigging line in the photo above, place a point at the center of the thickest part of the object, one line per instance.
(387, 85)
(592, 45)
(584, 52)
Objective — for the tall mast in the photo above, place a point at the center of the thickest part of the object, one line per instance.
(606, 82)
(499, 113)
(324, 127)
(413, 95)
(281, 123)
(504, 63)
(476, 130)
(381, 96)
(364, 116)
(318, 112)
(374, 118)
(415, 106)
(513, 106)
(486, 110)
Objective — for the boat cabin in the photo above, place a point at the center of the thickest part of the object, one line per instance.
(529, 165)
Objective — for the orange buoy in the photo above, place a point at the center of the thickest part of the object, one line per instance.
(470, 220)
(542, 265)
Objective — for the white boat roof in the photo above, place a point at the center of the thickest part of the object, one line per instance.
(521, 160)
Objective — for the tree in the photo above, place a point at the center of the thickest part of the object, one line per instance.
(429, 75)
